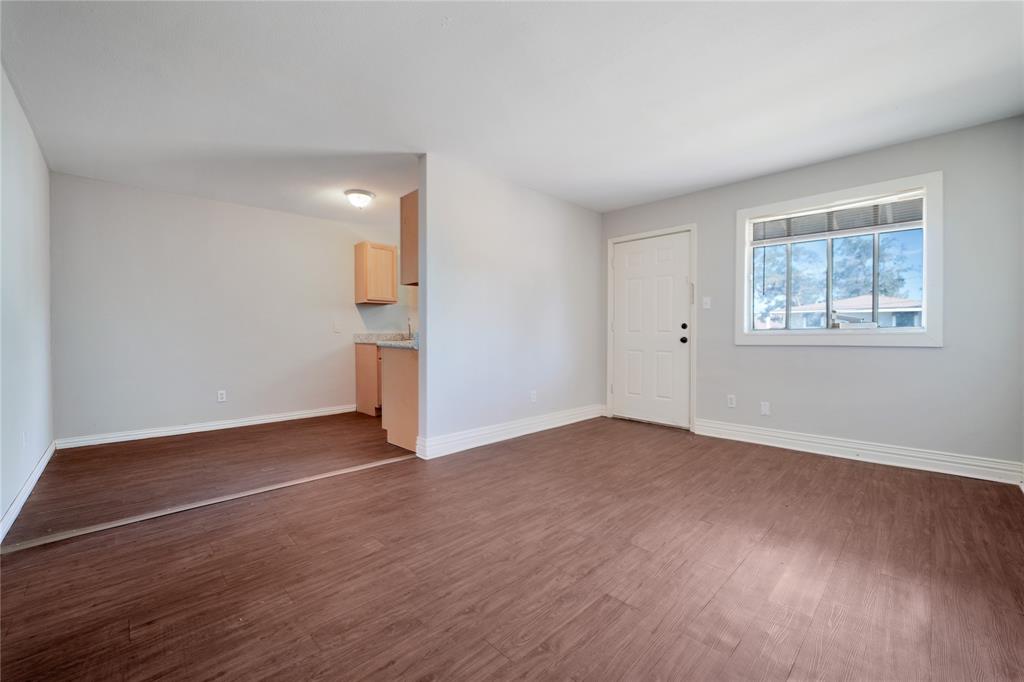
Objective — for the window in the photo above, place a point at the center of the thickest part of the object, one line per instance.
(858, 267)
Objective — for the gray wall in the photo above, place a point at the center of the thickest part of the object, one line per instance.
(26, 399)
(160, 300)
(514, 298)
(964, 398)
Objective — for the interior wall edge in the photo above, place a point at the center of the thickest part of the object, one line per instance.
(12, 511)
(27, 391)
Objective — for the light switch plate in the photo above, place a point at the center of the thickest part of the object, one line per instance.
(707, 303)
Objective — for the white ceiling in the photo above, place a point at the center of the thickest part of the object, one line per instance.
(604, 104)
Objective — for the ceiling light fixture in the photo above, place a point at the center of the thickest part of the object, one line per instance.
(360, 198)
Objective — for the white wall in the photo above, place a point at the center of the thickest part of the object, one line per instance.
(160, 300)
(964, 398)
(26, 400)
(514, 302)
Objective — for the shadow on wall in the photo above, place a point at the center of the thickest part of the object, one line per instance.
(396, 317)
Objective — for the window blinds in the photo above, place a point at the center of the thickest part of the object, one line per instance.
(880, 214)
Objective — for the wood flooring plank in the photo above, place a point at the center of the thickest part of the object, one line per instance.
(603, 550)
(563, 639)
(674, 657)
(769, 646)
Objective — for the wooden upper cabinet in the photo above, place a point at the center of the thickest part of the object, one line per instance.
(410, 212)
(376, 273)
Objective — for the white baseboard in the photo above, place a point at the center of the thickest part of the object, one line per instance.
(1006, 471)
(118, 436)
(439, 446)
(26, 489)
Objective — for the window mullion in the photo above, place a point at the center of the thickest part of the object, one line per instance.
(789, 283)
(874, 280)
(753, 283)
(828, 284)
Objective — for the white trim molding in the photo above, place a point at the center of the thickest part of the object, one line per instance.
(11, 514)
(157, 432)
(930, 335)
(439, 446)
(1005, 471)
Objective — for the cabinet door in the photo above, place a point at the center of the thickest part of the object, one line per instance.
(400, 396)
(410, 252)
(376, 273)
(382, 284)
(367, 378)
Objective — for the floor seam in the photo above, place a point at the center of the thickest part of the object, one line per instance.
(167, 511)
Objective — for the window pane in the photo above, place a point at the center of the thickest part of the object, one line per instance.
(807, 298)
(769, 285)
(852, 261)
(900, 267)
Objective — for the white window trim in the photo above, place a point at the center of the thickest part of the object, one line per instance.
(929, 335)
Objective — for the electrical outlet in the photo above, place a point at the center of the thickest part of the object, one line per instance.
(222, 396)
(707, 303)
(766, 408)
(533, 396)
(730, 400)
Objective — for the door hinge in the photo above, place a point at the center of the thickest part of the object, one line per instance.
(611, 388)
(693, 295)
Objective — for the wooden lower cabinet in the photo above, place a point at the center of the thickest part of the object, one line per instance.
(368, 386)
(400, 395)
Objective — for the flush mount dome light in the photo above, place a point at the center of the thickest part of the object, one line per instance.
(360, 198)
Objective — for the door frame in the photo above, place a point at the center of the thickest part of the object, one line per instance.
(610, 276)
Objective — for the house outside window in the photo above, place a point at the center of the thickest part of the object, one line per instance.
(856, 267)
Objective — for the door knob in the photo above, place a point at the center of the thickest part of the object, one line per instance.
(684, 325)
(683, 340)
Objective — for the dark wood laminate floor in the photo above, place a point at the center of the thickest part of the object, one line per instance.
(604, 550)
(103, 483)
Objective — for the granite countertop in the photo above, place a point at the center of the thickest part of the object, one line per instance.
(409, 344)
(389, 340)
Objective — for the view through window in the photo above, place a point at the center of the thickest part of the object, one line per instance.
(857, 266)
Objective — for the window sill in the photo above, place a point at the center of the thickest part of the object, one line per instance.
(912, 338)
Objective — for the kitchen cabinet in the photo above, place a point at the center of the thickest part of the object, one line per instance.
(376, 273)
(400, 396)
(410, 252)
(368, 375)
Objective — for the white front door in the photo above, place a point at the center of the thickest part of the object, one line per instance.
(651, 329)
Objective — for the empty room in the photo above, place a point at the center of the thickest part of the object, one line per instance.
(492, 340)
